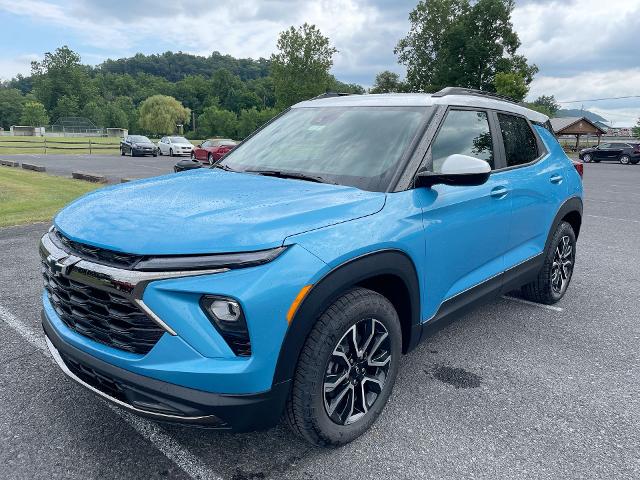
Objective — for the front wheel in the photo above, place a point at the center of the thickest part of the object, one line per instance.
(122, 151)
(346, 370)
(210, 159)
(171, 152)
(555, 275)
(586, 158)
(625, 159)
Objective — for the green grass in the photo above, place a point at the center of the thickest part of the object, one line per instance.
(28, 197)
(36, 145)
(16, 145)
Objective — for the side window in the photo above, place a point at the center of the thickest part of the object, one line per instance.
(520, 144)
(206, 143)
(464, 132)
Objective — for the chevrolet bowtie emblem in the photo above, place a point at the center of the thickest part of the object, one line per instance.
(62, 266)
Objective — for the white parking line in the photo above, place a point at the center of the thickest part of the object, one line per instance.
(533, 304)
(166, 444)
(613, 218)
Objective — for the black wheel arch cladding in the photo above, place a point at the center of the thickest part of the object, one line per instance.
(388, 272)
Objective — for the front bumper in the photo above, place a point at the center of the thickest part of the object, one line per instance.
(164, 401)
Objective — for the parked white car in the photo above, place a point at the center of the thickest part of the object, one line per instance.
(173, 146)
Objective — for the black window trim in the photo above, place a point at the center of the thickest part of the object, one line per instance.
(542, 149)
(439, 118)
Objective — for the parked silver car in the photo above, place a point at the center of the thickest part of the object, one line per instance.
(173, 146)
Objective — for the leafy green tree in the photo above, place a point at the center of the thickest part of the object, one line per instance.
(60, 74)
(387, 82)
(636, 129)
(67, 106)
(540, 108)
(217, 122)
(160, 114)
(512, 85)
(34, 114)
(549, 103)
(461, 43)
(251, 119)
(11, 104)
(301, 67)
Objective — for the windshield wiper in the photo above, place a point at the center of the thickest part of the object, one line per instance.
(223, 167)
(295, 175)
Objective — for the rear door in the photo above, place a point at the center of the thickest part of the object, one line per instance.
(536, 175)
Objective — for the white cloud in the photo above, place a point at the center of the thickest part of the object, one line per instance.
(10, 67)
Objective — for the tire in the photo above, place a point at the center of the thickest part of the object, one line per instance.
(587, 158)
(193, 156)
(122, 151)
(557, 270)
(625, 159)
(308, 408)
(171, 152)
(131, 153)
(210, 159)
(634, 161)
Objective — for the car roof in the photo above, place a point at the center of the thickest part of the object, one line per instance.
(422, 99)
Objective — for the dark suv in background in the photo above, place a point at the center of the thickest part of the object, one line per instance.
(623, 152)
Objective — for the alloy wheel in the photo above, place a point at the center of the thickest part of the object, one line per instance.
(562, 266)
(357, 371)
(587, 158)
(624, 160)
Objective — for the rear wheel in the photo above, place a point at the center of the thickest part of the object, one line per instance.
(346, 369)
(555, 275)
(625, 160)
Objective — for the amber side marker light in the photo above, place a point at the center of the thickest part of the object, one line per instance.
(297, 301)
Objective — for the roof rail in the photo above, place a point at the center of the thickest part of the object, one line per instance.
(470, 91)
(330, 94)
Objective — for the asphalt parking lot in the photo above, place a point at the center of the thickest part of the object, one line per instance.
(114, 167)
(511, 390)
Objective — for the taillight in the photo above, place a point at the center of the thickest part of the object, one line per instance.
(579, 167)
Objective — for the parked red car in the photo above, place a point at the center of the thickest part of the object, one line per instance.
(211, 151)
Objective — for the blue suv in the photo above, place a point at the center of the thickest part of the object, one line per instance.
(289, 278)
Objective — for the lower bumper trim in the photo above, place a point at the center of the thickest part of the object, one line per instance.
(163, 401)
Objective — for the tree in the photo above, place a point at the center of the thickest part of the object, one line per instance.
(636, 129)
(217, 122)
(301, 67)
(60, 74)
(67, 106)
(387, 82)
(548, 102)
(11, 104)
(252, 119)
(512, 85)
(160, 114)
(34, 114)
(461, 43)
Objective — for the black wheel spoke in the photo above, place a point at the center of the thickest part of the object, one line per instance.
(356, 372)
(562, 265)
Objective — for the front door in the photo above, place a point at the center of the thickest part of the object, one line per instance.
(466, 228)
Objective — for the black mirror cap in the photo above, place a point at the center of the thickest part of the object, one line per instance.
(429, 179)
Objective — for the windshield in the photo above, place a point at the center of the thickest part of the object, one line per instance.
(178, 140)
(139, 138)
(356, 146)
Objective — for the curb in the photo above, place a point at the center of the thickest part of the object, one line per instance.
(9, 163)
(35, 168)
(89, 177)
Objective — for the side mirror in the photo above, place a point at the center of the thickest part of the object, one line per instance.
(457, 170)
(199, 145)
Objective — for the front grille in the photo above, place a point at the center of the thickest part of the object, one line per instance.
(96, 254)
(104, 317)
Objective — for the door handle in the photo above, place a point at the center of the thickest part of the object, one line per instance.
(499, 192)
(555, 178)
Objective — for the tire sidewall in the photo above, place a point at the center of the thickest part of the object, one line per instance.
(563, 229)
(384, 313)
(625, 160)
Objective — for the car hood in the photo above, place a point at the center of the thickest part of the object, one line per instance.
(144, 144)
(209, 211)
(183, 144)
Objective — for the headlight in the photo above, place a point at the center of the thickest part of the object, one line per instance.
(208, 262)
(226, 315)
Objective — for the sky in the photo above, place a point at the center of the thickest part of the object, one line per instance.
(585, 49)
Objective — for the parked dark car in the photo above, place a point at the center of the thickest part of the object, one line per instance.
(211, 151)
(187, 164)
(623, 152)
(136, 145)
